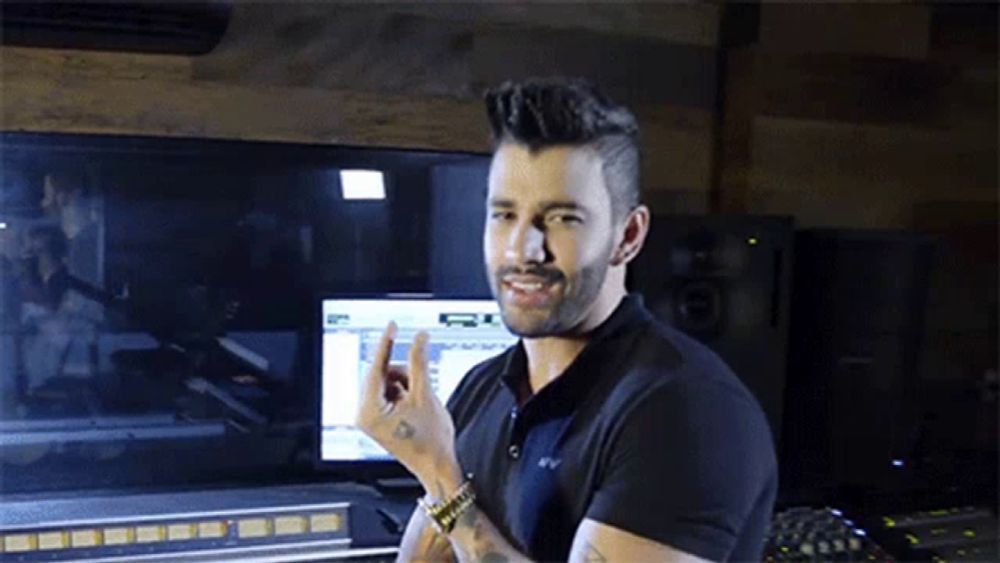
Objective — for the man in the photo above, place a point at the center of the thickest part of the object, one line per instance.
(66, 201)
(602, 435)
(56, 311)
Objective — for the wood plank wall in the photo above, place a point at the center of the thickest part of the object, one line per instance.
(394, 75)
(859, 115)
(884, 116)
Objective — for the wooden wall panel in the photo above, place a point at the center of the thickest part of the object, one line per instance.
(342, 47)
(42, 94)
(855, 120)
(677, 148)
(375, 48)
(79, 92)
(853, 88)
(690, 23)
(851, 175)
(889, 30)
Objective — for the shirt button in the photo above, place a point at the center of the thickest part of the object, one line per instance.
(513, 413)
(514, 451)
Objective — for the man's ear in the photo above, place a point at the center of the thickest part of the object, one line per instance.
(636, 229)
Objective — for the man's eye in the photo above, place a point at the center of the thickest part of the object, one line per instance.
(501, 215)
(565, 219)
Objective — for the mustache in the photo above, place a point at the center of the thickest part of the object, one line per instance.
(550, 275)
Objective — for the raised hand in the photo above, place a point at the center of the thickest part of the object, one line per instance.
(400, 411)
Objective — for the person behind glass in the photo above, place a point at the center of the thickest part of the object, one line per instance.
(67, 202)
(46, 275)
(56, 311)
(603, 434)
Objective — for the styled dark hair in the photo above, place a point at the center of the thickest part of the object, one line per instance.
(68, 178)
(545, 112)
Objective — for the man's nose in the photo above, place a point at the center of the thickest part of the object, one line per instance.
(526, 244)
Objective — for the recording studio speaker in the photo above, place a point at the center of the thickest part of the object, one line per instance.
(724, 280)
(857, 324)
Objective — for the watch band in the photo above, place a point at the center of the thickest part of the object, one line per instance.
(445, 514)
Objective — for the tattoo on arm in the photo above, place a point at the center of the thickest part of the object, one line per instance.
(483, 549)
(404, 430)
(469, 520)
(475, 538)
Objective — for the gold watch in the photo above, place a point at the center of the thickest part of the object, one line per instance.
(445, 514)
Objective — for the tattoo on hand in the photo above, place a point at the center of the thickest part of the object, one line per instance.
(593, 556)
(404, 431)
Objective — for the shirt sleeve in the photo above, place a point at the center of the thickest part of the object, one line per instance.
(687, 469)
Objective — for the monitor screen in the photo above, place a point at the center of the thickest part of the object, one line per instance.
(463, 333)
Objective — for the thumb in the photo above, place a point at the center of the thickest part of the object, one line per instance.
(375, 379)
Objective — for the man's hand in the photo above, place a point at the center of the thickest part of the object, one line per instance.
(400, 412)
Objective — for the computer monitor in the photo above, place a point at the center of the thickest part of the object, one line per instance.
(463, 333)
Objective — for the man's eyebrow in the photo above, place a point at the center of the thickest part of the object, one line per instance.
(548, 206)
(503, 203)
(545, 207)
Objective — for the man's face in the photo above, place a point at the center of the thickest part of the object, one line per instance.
(50, 197)
(55, 198)
(549, 237)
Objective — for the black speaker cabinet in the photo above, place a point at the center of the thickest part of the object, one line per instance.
(858, 307)
(724, 280)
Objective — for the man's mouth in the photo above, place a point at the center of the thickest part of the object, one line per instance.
(528, 291)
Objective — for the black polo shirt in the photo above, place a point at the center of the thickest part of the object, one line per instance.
(647, 431)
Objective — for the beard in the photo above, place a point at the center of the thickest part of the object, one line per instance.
(563, 311)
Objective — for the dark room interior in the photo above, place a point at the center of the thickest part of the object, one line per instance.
(210, 209)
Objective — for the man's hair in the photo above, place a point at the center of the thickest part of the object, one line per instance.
(546, 112)
(68, 178)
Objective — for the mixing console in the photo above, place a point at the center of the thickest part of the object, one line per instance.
(819, 534)
(940, 535)
(290, 523)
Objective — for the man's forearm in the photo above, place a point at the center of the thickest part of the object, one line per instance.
(475, 538)
(422, 542)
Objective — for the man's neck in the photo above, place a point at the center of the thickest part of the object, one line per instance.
(549, 357)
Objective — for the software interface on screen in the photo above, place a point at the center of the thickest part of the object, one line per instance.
(462, 333)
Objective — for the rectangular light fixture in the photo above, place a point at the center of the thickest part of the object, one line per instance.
(53, 540)
(216, 529)
(85, 538)
(362, 184)
(119, 536)
(288, 525)
(179, 532)
(320, 523)
(150, 534)
(254, 527)
(20, 542)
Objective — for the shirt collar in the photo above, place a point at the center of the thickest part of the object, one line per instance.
(629, 316)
